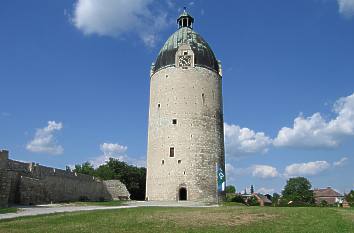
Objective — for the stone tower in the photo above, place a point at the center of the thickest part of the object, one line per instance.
(185, 157)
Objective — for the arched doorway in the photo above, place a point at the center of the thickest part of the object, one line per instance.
(183, 194)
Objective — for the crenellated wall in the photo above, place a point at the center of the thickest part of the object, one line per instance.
(31, 183)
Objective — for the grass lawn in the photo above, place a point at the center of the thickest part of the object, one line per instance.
(8, 210)
(222, 219)
(100, 203)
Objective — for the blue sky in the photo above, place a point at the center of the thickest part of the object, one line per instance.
(74, 79)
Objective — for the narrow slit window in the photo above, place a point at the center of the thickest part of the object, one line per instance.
(172, 152)
(158, 105)
(174, 121)
(179, 161)
(163, 162)
(203, 98)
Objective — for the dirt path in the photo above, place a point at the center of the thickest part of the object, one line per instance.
(58, 208)
(40, 210)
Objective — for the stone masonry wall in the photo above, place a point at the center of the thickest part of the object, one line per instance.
(31, 183)
(117, 189)
(4, 182)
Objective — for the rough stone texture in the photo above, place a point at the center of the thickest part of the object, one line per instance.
(117, 190)
(4, 182)
(30, 183)
(193, 97)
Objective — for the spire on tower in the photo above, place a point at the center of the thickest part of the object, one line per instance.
(185, 19)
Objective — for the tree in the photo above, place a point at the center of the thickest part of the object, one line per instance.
(85, 168)
(252, 189)
(350, 198)
(230, 189)
(298, 190)
(275, 199)
(133, 177)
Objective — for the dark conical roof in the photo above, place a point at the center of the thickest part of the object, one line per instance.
(203, 54)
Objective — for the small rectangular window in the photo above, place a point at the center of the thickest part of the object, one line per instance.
(174, 121)
(179, 161)
(163, 162)
(172, 152)
(158, 105)
(185, 53)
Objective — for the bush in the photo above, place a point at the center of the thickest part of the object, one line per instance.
(252, 201)
(289, 203)
(324, 203)
(238, 198)
(229, 197)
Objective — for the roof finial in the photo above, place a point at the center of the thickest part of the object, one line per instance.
(185, 20)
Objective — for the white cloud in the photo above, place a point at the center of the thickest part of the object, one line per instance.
(116, 151)
(264, 190)
(113, 148)
(116, 18)
(240, 141)
(264, 171)
(259, 171)
(316, 132)
(306, 169)
(346, 7)
(340, 162)
(44, 140)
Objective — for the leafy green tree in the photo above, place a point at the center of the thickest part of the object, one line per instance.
(275, 199)
(350, 198)
(230, 189)
(85, 168)
(133, 177)
(298, 190)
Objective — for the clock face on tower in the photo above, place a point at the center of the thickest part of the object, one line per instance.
(185, 60)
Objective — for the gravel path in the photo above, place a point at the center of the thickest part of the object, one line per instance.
(39, 210)
(59, 208)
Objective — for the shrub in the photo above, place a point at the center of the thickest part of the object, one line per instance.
(238, 198)
(324, 203)
(252, 201)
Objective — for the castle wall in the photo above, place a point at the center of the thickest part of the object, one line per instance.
(117, 189)
(193, 97)
(4, 182)
(30, 183)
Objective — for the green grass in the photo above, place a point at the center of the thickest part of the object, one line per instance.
(100, 203)
(222, 219)
(8, 210)
(233, 204)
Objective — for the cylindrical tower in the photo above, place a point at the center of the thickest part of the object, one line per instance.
(185, 157)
